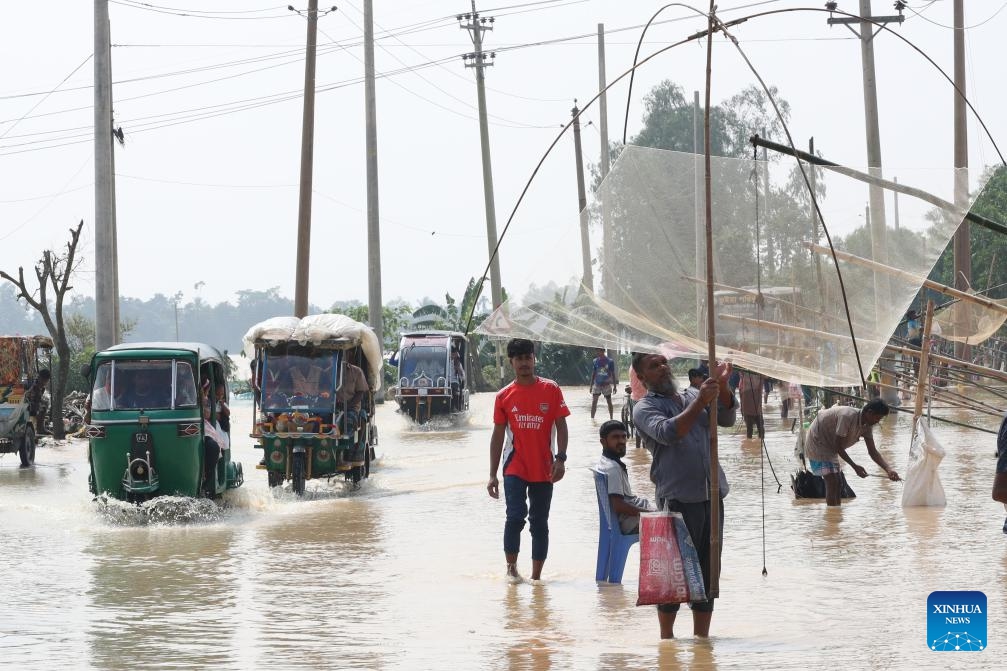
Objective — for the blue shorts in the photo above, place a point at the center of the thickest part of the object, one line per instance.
(824, 467)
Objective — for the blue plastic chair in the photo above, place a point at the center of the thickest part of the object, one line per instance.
(613, 545)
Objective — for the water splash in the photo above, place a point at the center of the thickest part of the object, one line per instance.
(161, 511)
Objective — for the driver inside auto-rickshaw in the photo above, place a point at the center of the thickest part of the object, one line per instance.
(307, 378)
(144, 392)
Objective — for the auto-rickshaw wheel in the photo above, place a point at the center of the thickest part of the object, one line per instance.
(298, 472)
(275, 478)
(26, 447)
(358, 473)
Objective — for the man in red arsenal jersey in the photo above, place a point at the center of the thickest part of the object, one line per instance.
(525, 414)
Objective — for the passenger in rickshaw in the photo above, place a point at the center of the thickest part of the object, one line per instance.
(255, 381)
(100, 397)
(458, 381)
(351, 395)
(223, 410)
(214, 442)
(435, 368)
(275, 377)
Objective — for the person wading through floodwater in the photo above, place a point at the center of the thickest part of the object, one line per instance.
(832, 433)
(525, 413)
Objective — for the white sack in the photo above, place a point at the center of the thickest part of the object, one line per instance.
(922, 482)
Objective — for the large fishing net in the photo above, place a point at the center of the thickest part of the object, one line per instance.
(780, 295)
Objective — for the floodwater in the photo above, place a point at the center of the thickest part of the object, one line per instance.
(408, 573)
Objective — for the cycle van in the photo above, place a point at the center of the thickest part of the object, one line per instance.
(21, 358)
(299, 369)
(154, 427)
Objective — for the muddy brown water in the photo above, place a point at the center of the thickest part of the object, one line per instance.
(407, 571)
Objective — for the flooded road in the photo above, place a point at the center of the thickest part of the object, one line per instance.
(408, 573)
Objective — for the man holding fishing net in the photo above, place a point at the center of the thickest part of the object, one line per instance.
(676, 426)
(834, 431)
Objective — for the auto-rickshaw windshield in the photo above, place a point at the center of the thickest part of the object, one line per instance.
(424, 360)
(296, 378)
(147, 384)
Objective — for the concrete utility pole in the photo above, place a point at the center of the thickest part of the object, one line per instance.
(606, 226)
(867, 32)
(962, 242)
(585, 236)
(374, 305)
(307, 166)
(104, 232)
(476, 26)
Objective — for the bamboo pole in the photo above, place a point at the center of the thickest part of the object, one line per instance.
(711, 335)
(951, 361)
(910, 277)
(921, 382)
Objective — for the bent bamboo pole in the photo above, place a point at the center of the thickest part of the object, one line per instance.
(910, 277)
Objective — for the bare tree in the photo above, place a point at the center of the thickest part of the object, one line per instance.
(53, 272)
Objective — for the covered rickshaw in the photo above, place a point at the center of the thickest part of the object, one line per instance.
(21, 359)
(314, 380)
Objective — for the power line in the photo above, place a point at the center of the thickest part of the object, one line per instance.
(42, 209)
(457, 75)
(193, 14)
(392, 33)
(507, 122)
(28, 199)
(205, 112)
(186, 116)
(35, 106)
(205, 184)
(937, 23)
(203, 11)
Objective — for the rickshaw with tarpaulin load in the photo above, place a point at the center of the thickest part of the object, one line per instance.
(21, 358)
(314, 380)
(154, 427)
(432, 374)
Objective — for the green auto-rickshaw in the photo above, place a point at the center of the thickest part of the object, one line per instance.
(155, 422)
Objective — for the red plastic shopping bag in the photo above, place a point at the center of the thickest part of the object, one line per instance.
(670, 571)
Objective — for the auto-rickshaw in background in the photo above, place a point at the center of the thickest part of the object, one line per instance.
(155, 422)
(21, 358)
(432, 378)
(314, 380)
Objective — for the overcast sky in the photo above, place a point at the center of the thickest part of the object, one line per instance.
(207, 181)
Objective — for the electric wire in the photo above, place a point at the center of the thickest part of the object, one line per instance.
(44, 98)
(192, 13)
(942, 25)
(204, 11)
(432, 84)
(64, 190)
